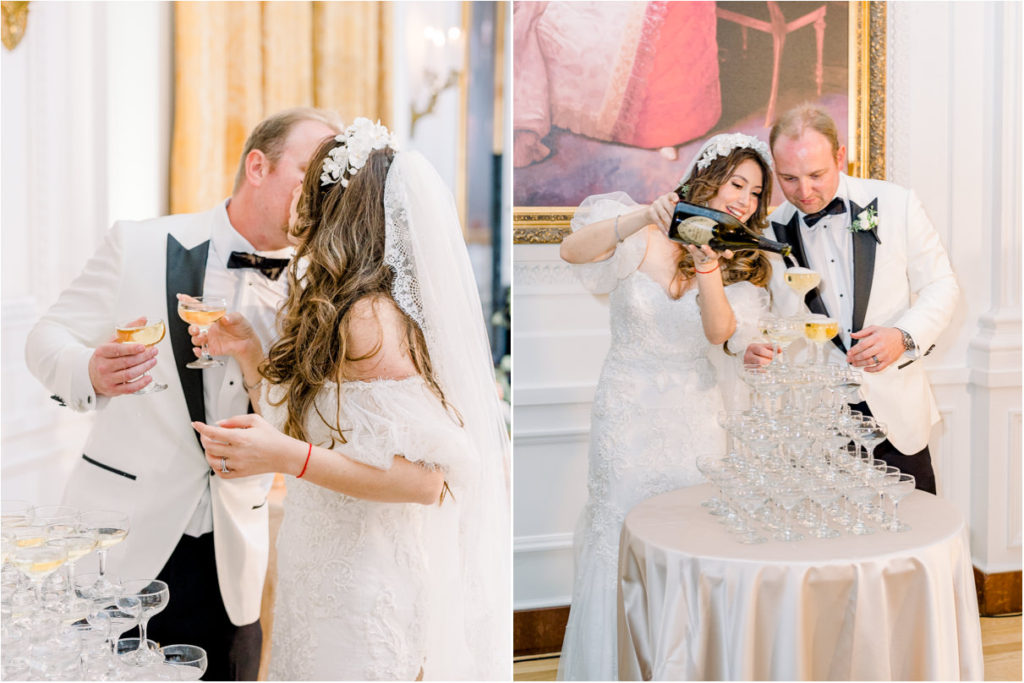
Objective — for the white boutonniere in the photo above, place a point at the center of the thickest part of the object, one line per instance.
(867, 220)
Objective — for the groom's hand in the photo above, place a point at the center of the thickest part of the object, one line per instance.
(116, 369)
(876, 349)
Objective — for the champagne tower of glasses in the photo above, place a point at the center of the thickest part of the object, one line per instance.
(800, 463)
(59, 624)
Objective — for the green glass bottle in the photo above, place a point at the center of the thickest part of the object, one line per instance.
(699, 225)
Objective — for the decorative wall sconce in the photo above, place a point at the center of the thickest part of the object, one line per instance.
(441, 70)
(15, 17)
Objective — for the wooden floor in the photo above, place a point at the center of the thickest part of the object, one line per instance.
(1000, 637)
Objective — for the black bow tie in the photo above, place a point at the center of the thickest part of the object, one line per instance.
(270, 267)
(834, 207)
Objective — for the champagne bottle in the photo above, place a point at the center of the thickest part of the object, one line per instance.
(699, 225)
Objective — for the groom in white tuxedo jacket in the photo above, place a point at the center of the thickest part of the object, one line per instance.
(885, 277)
(205, 536)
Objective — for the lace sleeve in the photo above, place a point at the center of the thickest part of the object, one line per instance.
(385, 418)
(602, 277)
(749, 302)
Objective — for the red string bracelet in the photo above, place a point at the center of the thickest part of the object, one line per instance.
(306, 464)
(705, 272)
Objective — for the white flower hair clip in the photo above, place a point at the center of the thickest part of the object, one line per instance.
(358, 140)
(723, 145)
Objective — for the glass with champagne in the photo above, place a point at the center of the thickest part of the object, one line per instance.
(801, 280)
(148, 333)
(203, 312)
(109, 528)
(820, 329)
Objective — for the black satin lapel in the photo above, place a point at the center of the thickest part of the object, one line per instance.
(186, 272)
(864, 243)
(791, 231)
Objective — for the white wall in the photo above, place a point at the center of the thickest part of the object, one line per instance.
(953, 121)
(85, 139)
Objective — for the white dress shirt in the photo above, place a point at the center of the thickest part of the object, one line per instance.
(828, 246)
(255, 296)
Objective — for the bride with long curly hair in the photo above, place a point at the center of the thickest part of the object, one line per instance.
(378, 399)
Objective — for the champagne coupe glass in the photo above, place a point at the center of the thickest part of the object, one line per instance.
(150, 334)
(709, 465)
(79, 544)
(824, 494)
(788, 497)
(755, 376)
(110, 528)
(134, 667)
(801, 280)
(38, 561)
(870, 433)
(95, 656)
(727, 421)
(751, 499)
(861, 493)
(48, 515)
(123, 614)
(898, 487)
(820, 329)
(782, 332)
(27, 536)
(191, 659)
(203, 312)
(15, 513)
(153, 595)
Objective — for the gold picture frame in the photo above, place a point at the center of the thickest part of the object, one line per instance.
(866, 138)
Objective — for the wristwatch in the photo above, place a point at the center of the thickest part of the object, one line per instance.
(908, 341)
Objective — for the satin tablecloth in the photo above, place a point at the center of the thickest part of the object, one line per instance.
(695, 604)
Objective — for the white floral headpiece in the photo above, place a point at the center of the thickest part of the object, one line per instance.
(723, 145)
(358, 140)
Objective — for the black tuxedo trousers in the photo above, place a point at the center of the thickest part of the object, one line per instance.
(918, 464)
(195, 614)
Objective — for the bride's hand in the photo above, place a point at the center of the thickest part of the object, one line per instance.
(246, 445)
(705, 258)
(660, 211)
(232, 335)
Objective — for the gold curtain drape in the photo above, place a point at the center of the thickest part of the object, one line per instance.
(237, 62)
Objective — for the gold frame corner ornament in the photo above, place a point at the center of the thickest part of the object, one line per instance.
(15, 19)
(548, 225)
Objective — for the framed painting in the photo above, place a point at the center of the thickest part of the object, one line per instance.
(671, 75)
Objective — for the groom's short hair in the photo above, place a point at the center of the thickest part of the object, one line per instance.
(270, 134)
(795, 121)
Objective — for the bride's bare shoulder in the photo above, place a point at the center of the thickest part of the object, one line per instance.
(375, 331)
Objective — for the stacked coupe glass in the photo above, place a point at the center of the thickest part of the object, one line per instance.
(58, 624)
(799, 463)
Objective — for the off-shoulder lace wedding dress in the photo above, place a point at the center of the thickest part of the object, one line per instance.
(354, 584)
(654, 412)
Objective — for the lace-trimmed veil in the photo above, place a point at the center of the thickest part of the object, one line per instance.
(469, 539)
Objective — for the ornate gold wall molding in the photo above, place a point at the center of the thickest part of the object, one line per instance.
(541, 225)
(866, 138)
(15, 19)
(867, 89)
